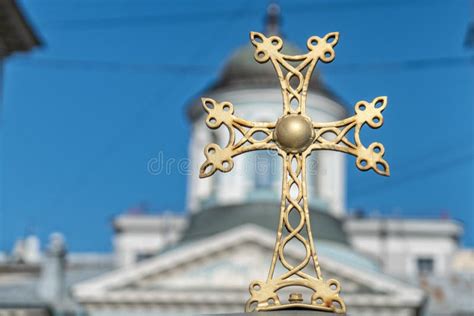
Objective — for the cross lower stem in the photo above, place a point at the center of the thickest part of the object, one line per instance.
(265, 295)
(294, 199)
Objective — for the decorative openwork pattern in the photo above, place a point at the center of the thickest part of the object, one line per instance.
(221, 159)
(294, 136)
(294, 80)
(367, 158)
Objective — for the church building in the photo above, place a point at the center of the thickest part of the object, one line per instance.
(203, 262)
(205, 265)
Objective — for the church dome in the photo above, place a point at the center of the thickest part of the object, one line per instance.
(221, 202)
(220, 218)
(242, 71)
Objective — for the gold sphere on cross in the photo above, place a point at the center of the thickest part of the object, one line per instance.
(293, 133)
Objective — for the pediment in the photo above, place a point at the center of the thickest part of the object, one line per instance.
(225, 262)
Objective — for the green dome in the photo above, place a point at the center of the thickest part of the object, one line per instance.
(213, 220)
(243, 68)
(242, 71)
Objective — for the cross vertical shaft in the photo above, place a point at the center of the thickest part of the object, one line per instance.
(294, 136)
(294, 175)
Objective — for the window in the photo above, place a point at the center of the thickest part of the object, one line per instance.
(141, 256)
(264, 171)
(264, 165)
(425, 266)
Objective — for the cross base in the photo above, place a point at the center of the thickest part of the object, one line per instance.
(289, 312)
(298, 306)
(323, 296)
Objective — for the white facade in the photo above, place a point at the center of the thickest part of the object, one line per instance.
(141, 236)
(27, 250)
(407, 248)
(463, 261)
(211, 276)
(326, 185)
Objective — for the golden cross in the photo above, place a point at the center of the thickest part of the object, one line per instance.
(294, 136)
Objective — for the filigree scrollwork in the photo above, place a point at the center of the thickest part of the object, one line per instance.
(264, 296)
(333, 136)
(270, 47)
(294, 80)
(370, 113)
(292, 175)
(218, 158)
(266, 48)
(371, 158)
(323, 48)
(327, 296)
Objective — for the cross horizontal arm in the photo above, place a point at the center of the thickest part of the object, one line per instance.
(334, 136)
(218, 158)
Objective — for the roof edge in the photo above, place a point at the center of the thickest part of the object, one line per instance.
(21, 25)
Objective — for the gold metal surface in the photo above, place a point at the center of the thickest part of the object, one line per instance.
(293, 133)
(294, 136)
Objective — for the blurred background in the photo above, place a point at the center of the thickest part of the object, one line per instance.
(102, 133)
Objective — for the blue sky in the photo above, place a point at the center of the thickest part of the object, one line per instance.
(84, 114)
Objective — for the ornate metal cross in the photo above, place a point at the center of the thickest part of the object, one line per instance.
(294, 136)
